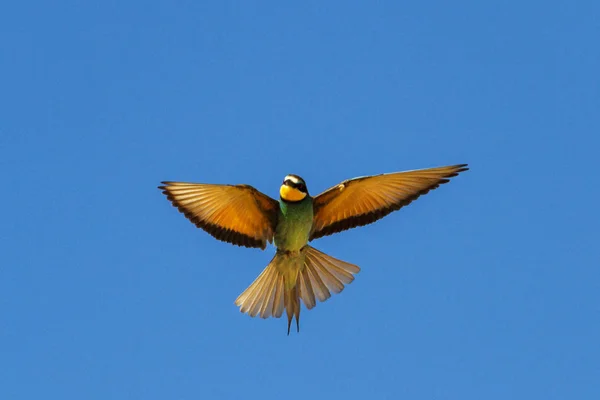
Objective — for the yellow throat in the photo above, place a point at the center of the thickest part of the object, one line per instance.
(289, 193)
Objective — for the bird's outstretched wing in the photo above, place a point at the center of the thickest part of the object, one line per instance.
(361, 201)
(237, 214)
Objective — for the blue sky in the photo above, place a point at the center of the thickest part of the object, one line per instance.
(488, 287)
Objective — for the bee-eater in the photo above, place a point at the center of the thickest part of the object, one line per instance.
(243, 216)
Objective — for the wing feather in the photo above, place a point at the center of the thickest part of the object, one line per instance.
(238, 214)
(361, 201)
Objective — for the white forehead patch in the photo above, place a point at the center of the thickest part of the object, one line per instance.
(293, 179)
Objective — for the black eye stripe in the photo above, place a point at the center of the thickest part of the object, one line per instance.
(296, 185)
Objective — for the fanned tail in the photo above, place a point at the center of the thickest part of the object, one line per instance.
(307, 275)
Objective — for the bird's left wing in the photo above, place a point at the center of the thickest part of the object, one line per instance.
(238, 214)
(361, 201)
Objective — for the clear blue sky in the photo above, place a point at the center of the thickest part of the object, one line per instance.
(487, 288)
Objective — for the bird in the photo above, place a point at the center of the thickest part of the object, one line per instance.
(298, 272)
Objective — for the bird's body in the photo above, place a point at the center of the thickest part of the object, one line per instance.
(294, 223)
(298, 272)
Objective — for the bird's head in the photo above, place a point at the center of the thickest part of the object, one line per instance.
(293, 189)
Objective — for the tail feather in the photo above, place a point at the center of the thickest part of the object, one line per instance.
(342, 270)
(319, 287)
(292, 308)
(307, 275)
(306, 291)
(257, 299)
(326, 274)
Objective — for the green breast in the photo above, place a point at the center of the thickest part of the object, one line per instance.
(294, 224)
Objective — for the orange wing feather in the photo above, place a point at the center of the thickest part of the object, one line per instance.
(361, 201)
(238, 214)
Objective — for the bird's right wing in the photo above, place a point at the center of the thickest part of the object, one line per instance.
(238, 214)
